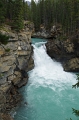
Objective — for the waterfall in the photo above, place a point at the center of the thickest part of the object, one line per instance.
(49, 92)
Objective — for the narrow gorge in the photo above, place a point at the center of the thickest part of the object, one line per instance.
(48, 94)
(39, 59)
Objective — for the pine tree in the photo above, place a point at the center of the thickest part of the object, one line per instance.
(34, 13)
(18, 15)
(2, 12)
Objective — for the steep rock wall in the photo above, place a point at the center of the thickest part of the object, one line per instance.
(15, 61)
(66, 52)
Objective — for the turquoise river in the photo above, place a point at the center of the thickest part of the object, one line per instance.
(49, 94)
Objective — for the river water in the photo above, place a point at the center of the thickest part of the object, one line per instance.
(48, 94)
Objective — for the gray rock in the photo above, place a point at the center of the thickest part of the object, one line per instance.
(22, 82)
(66, 52)
(13, 66)
(72, 65)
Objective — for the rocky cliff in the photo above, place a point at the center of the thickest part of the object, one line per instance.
(15, 61)
(66, 51)
(43, 32)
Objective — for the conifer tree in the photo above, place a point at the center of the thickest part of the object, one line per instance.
(2, 12)
(18, 15)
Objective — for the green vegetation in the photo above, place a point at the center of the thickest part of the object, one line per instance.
(18, 16)
(3, 39)
(7, 50)
(2, 11)
(51, 12)
(13, 12)
(76, 112)
(43, 12)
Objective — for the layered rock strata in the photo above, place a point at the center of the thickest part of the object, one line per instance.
(15, 61)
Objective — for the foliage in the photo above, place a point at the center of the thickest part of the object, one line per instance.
(18, 16)
(76, 112)
(43, 12)
(63, 37)
(2, 12)
(3, 39)
(64, 12)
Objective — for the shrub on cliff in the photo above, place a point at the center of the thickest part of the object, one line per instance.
(3, 39)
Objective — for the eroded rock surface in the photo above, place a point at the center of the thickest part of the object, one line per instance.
(65, 51)
(15, 61)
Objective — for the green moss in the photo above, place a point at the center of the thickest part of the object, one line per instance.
(7, 50)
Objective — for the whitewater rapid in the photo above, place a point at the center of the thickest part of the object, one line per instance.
(48, 94)
(49, 71)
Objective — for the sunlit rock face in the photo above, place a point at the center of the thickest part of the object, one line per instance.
(15, 61)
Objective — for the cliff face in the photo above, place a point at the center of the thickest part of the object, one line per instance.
(15, 61)
(65, 51)
(52, 32)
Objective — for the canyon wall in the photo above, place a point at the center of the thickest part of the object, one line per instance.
(15, 61)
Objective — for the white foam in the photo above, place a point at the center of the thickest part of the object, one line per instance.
(48, 72)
